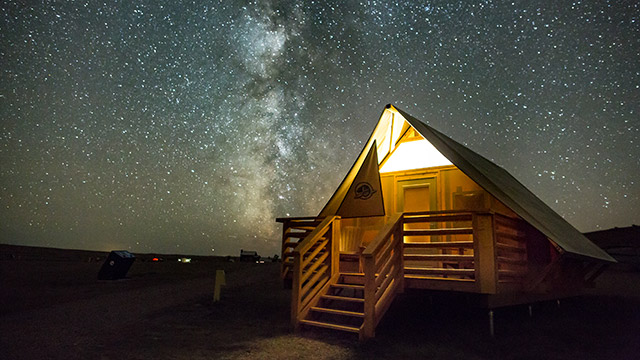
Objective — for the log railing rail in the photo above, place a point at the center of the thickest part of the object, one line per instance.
(511, 249)
(315, 267)
(383, 274)
(448, 252)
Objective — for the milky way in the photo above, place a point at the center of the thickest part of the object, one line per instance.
(174, 127)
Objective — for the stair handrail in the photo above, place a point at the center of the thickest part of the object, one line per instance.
(316, 276)
(286, 253)
(383, 273)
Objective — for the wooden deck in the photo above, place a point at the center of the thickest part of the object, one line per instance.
(474, 252)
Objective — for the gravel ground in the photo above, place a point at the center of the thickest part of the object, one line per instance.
(58, 310)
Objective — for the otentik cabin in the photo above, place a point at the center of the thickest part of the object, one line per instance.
(420, 210)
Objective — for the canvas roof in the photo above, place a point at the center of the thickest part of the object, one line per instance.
(494, 179)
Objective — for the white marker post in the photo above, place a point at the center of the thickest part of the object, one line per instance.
(220, 281)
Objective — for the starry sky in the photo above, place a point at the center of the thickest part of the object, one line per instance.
(188, 127)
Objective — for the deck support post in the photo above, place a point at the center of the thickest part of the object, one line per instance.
(400, 249)
(484, 248)
(295, 293)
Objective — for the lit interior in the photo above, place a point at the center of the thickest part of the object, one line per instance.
(416, 154)
(382, 135)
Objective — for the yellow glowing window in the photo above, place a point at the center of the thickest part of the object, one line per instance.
(414, 155)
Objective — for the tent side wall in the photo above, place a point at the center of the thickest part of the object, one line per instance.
(453, 191)
(382, 137)
(512, 193)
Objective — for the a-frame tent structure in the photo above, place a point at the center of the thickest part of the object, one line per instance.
(420, 210)
(491, 177)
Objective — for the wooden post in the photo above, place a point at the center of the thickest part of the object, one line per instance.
(484, 250)
(295, 292)
(369, 327)
(335, 246)
(219, 283)
(399, 233)
(285, 231)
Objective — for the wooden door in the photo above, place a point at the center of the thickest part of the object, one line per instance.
(417, 195)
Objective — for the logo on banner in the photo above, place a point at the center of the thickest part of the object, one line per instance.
(364, 191)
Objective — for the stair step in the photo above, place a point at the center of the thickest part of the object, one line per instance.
(331, 326)
(338, 312)
(304, 227)
(352, 278)
(298, 235)
(351, 274)
(348, 286)
(343, 298)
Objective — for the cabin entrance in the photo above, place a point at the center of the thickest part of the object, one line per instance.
(416, 195)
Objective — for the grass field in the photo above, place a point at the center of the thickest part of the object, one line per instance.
(58, 310)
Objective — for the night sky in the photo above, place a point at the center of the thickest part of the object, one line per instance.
(188, 127)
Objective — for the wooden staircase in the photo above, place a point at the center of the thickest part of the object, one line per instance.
(342, 307)
(294, 231)
(322, 296)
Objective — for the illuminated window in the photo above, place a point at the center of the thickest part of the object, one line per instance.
(411, 155)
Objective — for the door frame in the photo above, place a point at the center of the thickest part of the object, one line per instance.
(427, 181)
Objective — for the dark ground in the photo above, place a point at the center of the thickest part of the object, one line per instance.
(56, 309)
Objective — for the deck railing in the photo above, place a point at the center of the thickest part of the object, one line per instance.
(511, 249)
(439, 249)
(294, 230)
(461, 250)
(456, 250)
(315, 267)
(383, 274)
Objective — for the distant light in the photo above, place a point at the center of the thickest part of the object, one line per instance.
(155, 259)
(184, 260)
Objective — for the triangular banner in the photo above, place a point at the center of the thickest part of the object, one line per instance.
(364, 197)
